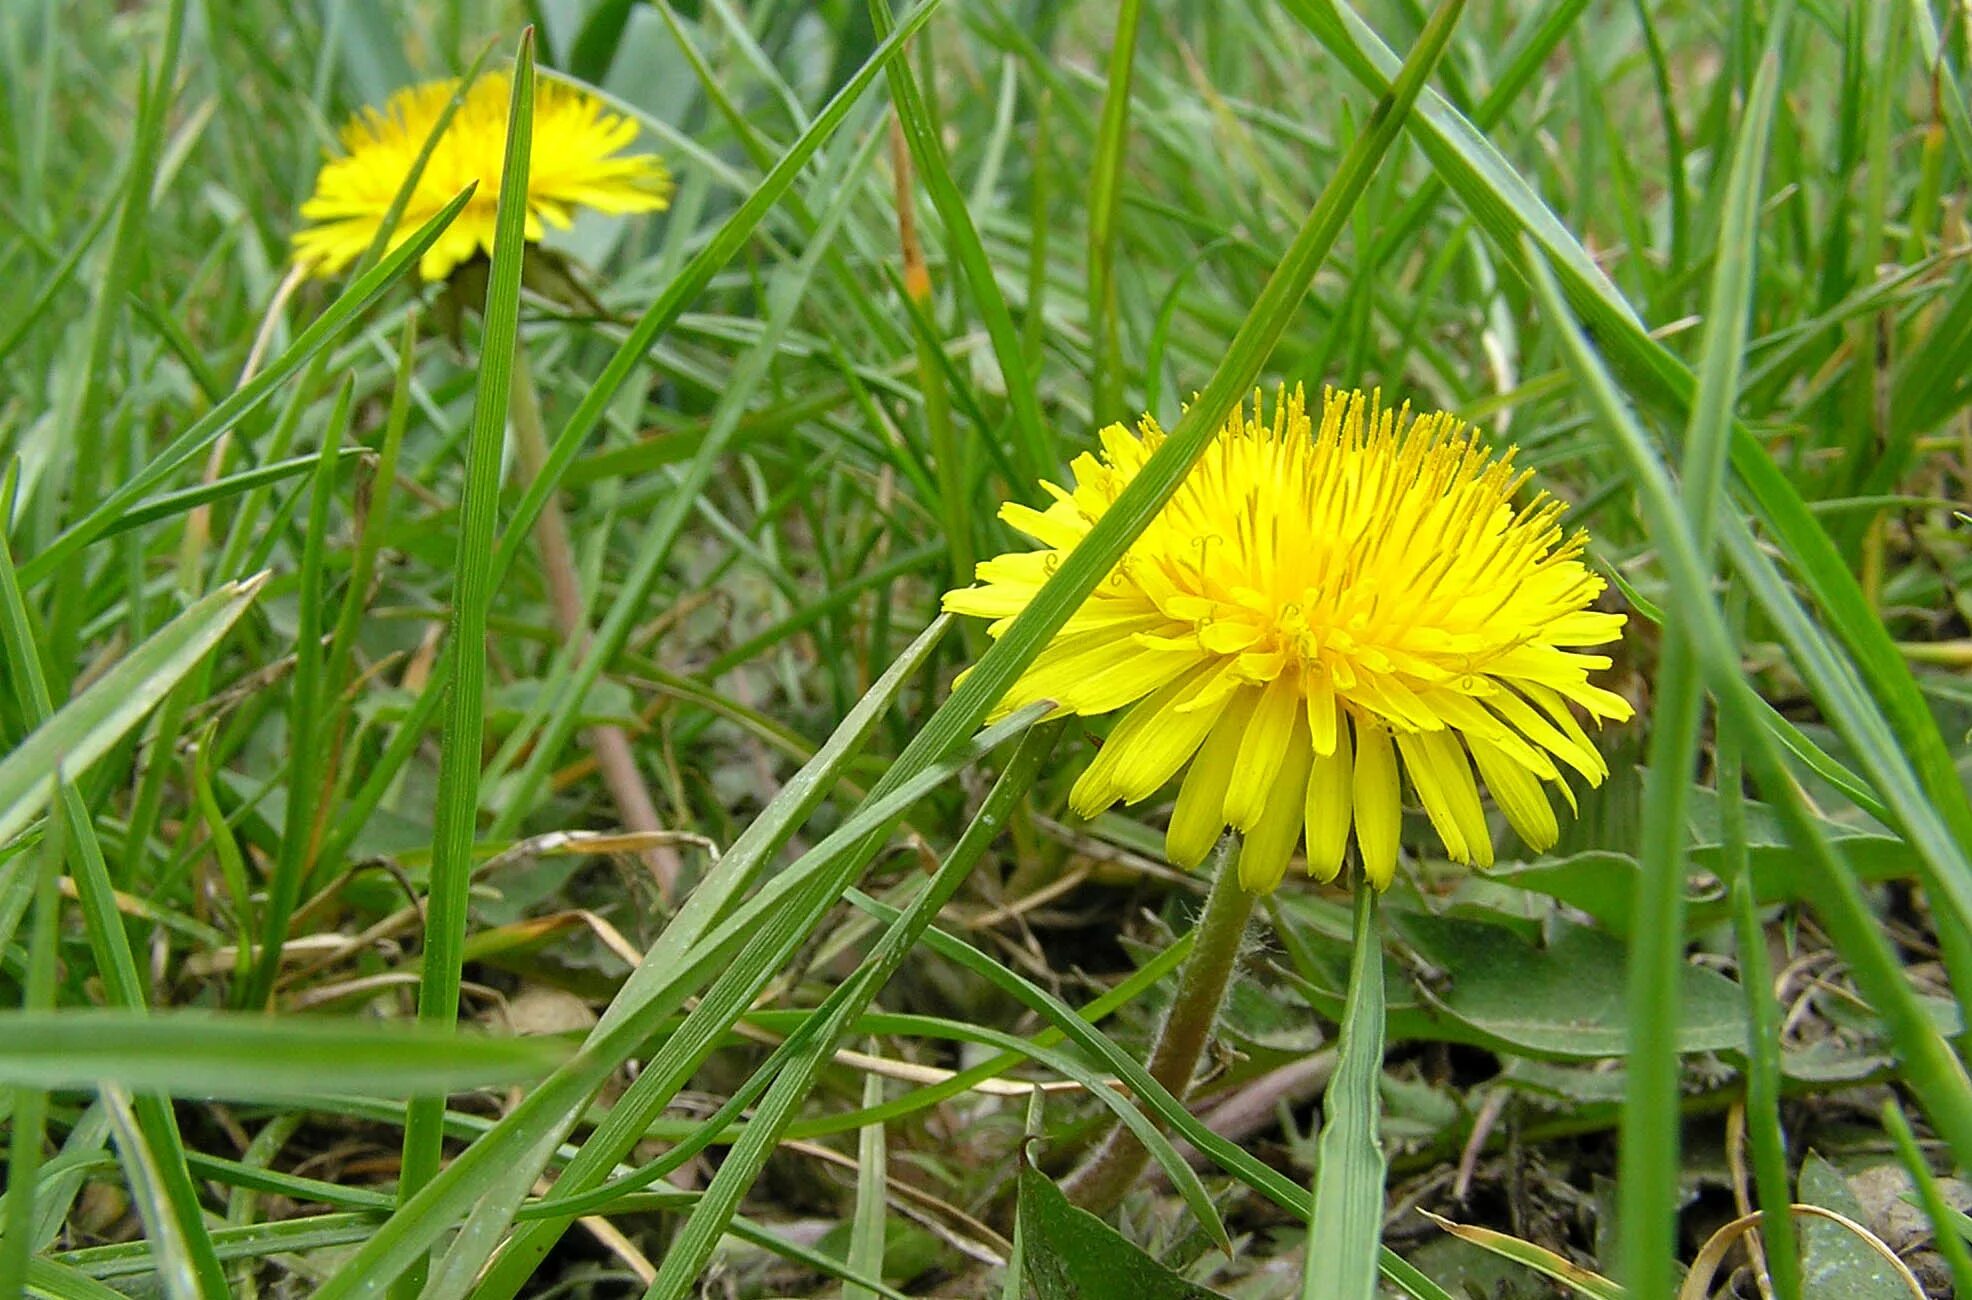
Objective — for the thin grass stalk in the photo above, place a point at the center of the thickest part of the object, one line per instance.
(608, 743)
(472, 588)
(1779, 1237)
(1105, 185)
(1652, 1117)
(299, 826)
(1945, 1221)
(28, 1124)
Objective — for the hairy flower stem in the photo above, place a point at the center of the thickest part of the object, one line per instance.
(608, 742)
(1099, 1185)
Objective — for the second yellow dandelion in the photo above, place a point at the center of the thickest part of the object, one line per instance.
(576, 162)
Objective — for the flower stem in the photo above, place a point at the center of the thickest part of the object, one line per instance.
(607, 741)
(1099, 1185)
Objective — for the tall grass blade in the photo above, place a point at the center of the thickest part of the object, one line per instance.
(472, 590)
(1347, 1224)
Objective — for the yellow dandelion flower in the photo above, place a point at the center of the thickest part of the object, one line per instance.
(575, 162)
(1317, 610)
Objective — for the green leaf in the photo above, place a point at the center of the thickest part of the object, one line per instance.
(88, 726)
(221, 1054)
(1347, 1223)
(1834, 1261)
(1070, 1254)
(1562, 1000)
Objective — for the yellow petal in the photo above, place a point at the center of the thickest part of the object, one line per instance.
(1326, 809)
(1519, 794)
(1263, 854)
(1262, 751)
(1321, 710)
(1379, 807)
(1443, 780)
(1200, 818)
(1171, 737)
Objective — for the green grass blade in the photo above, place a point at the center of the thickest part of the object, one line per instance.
(90, 725)
(1347, 1224)
(866, 1227)
(60, 1282)
(1105, 185)
(662, 314)
(28, 1123)
(472, 591)
(219, 1054)
(324, 330)
(165, 1227)
(300, 828)
(962, 237)
(1652, 1119)
(1935, 1073)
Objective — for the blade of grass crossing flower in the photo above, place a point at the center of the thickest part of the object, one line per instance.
(324, 330)
(695, 1241)
(872, 1192)
(662, 314)
(1347, 1223)
(1932, 1070)
(472, 588)
(1105, 184)
(1139, 502)
(1652, 1116)
(28, 1122)
(299, 825)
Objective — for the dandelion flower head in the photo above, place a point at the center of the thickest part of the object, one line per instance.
(1322, 613)
(575, 162)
